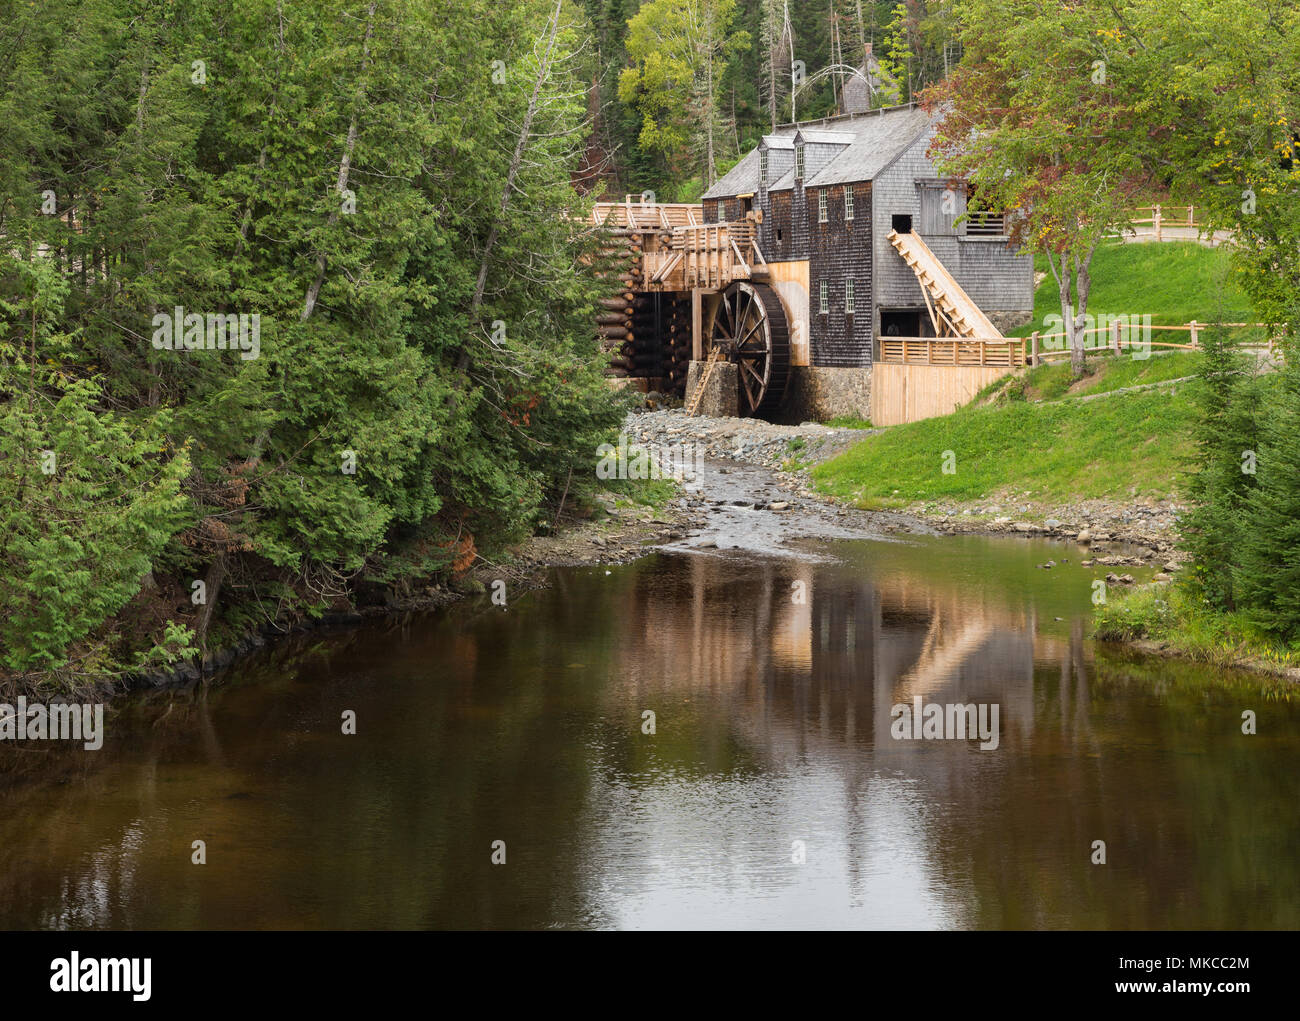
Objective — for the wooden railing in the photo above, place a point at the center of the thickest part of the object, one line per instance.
(1120, 337)
(712, 255)
(1160, 216)
(950, 351)
(1038, 347)
(638, 215)
(1153, 221)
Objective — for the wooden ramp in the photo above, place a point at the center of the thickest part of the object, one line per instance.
(949, 305)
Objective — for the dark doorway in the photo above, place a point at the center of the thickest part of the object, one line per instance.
(900, 322)
(901, 222)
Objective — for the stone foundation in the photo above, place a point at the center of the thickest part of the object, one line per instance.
(819, 394)
(1008, 321)
(722, 396)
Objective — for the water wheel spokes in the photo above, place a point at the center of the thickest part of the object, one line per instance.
(750, 327)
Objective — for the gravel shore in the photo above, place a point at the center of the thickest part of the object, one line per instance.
(1148, 525)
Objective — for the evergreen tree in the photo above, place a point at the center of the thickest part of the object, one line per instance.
(1267, 575)
(1223, 468)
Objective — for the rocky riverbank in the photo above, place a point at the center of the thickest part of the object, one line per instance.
(1147, 527)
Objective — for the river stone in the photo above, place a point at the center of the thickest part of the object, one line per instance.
(1084, 536)
(1053, 523)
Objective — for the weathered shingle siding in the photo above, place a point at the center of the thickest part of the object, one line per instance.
(996, 278)
(776, 219)
(895, 193)
(816, 156)
(838, 251)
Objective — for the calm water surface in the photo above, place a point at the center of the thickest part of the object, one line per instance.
(772, 726)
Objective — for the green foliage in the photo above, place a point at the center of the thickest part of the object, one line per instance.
(678, 51)
(1226, 435)
(90, 498)
(1175, 616)
(430, 324)
(1267, 562)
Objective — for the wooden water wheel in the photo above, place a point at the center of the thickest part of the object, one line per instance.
(750, 327)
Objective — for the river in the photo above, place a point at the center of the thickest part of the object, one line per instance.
(771, 792)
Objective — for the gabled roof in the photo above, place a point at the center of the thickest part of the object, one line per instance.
(867, 143)
(826, 137)
(741, 179)
(880, 140)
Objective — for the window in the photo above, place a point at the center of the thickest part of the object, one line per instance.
(901, 222)
(762, 166)
(826, 297)
(798, 162)
(848, 297)
(821, 207)
(848, 202)
(942, 202)
(981, 222)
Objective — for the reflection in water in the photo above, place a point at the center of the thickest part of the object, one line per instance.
(771, 684)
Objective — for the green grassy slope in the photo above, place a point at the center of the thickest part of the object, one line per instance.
(1128, 444)
(1173, 282)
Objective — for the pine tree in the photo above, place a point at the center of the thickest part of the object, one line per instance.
(1222, 476)
(1267, 575)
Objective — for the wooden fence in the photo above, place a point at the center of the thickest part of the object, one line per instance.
(1158, 217)
(1122, 335)
(1119, 336)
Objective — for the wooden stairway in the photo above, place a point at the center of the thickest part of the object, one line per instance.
(693, 409)
(947, 302)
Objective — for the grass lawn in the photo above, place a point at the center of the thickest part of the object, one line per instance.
(1052, 381)
(1121, 446)
(1173, 282)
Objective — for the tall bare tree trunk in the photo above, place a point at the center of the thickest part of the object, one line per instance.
(521, 145)
(710, 114)
(345, 164)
